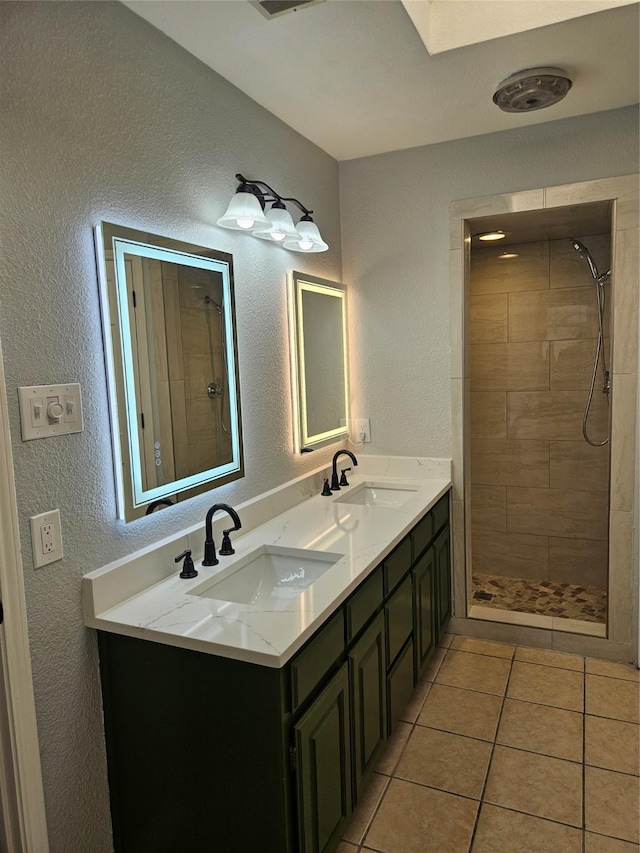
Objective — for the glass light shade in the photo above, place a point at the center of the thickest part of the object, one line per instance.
(308, 238)
(280, 226)
(244, 212)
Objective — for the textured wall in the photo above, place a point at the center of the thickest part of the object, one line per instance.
(103, 117)
(395, 233)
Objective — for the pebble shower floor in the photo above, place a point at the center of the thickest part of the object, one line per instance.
(545, 598)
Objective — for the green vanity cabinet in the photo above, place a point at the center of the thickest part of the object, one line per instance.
(369, 701)
(424, 591)
(442, 550)
(323, 767)
(196, 743)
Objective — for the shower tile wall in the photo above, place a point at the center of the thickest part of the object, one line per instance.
(539, 492)
(194, 346)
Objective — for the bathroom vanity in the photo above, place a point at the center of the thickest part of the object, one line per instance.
(254, 724)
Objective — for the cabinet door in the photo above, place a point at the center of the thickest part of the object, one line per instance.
(424, 599)
(443, 579)
(369, 701)
(323, 767)
(400, 684)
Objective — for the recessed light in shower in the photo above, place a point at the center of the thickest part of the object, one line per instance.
(489, 236)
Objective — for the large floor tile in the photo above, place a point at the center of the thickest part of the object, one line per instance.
(612, 745)
(546, 657)
(612, 804)
(541, 728)
(393, 750)
(475, 672)
(611, 669)
(504, 831)
(546, 685)
(366, 808)
(434, 664)
(612, 697)
(442, 760)
(602, 844)
(535, 784)
(463, 712)
(415, 819)
(421, 691)
(483, 647)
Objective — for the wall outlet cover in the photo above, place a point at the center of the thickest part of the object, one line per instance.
(46, 538)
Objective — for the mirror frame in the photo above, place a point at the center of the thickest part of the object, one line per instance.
(132, 498)
(298, 283)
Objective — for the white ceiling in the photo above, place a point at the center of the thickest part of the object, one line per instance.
(355, 78)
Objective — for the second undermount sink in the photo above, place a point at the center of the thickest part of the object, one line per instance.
(387, 495)
(269, 575)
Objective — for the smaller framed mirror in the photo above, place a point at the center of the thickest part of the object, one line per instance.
(319, 361)
(170, 345)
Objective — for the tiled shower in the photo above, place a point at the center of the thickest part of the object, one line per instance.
(538, 491)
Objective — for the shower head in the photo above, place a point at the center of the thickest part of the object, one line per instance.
(584, 253)
(209, 301)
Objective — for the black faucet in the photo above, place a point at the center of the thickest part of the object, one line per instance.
(210, 558)
(335, 485)
(157, 504)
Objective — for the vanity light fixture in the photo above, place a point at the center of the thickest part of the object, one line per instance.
(489, 236)
(246, 212)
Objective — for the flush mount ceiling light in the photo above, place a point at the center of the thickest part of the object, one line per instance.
(532, 89)
(490, 236)
(246, 212)
(506, 255)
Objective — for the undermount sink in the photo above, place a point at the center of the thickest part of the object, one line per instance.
(270, 574)
(378, 494)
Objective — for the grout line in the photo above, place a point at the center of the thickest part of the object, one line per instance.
(407, 739)
(493, 749)
(584, 757)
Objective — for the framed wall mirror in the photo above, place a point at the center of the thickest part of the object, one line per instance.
(170, 345)
(319, 361)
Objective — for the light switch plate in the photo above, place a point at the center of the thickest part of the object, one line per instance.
(47, 410)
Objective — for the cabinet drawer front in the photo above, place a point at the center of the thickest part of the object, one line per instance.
(400, 685)
(363, 604)
(399, 618)
(310, 666)
(397, 565)
(422, 534)
(440, 513)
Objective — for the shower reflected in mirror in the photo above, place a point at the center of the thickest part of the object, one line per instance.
(169, 323)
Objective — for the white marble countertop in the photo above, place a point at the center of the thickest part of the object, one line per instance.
(271, 629)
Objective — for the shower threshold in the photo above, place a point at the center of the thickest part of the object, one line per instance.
(534, 620)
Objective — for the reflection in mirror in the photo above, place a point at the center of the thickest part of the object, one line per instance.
(319, 361)
(170, 343)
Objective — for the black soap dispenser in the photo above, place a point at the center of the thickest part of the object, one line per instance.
(188, 569)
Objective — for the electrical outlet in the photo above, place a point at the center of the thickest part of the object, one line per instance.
(46, 538)
(362, 425)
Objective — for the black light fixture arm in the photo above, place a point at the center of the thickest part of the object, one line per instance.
(271, 195)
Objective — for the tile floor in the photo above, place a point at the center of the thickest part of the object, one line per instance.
(508, 749)
(566, 600)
